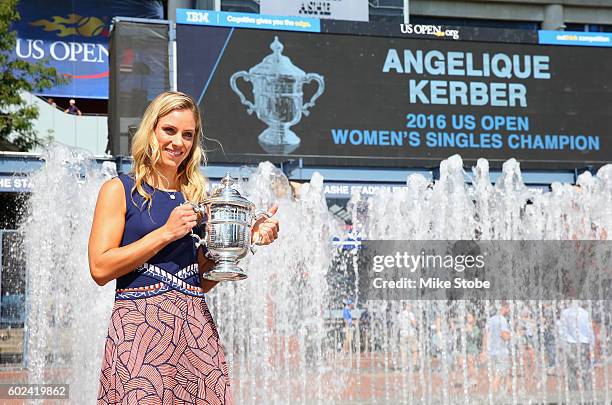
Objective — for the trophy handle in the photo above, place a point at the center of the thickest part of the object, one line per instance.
(234, 86)
(319, 79)
(256, 217)
(199, 241)
(198, 208)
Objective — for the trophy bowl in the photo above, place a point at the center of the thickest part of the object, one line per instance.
(227, 231)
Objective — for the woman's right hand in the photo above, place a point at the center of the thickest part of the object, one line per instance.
(180, 222)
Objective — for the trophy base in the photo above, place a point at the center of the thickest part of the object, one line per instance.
(225, 272)
(279, 140)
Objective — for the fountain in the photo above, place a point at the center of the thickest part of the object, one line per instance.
(450, 209)
(280, 327)
(65, 308)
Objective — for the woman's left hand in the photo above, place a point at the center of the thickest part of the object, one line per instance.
(265, 230)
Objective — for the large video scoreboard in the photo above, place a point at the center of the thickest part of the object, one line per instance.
(401, 97)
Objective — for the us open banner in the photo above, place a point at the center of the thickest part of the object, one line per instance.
(72, 36)
(354, 100)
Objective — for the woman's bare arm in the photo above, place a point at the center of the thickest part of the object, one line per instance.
(108, 261)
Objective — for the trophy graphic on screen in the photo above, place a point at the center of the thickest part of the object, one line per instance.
(277, 88)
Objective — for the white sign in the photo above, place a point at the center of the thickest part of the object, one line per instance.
(16, 183)
(340, 190)
(351, 10)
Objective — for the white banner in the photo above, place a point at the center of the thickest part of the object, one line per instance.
(351, 10)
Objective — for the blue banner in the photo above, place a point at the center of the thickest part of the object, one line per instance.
(72, 36)
(247, 20)
(575, 38)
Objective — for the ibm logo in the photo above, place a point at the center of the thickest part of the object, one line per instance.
(197, 17)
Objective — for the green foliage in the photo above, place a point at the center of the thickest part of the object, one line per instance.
(16, 76)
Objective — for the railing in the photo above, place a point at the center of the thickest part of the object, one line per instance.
(12, 299)
(88, 132)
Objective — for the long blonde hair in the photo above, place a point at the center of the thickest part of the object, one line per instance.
(146, 153)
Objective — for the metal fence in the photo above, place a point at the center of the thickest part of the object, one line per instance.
(12, 299)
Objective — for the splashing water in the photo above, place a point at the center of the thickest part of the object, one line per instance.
(279, 328)
(67, 312)
(508, 210)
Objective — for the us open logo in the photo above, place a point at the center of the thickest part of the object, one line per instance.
(425, 29)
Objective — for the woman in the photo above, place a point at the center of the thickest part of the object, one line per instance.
(162, 346)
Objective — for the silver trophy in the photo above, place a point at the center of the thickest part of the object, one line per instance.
(227, 232)
(277, 88)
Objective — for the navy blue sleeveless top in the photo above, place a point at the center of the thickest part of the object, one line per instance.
(173, 267)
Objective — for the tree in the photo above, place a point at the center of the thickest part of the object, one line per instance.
(16, 75)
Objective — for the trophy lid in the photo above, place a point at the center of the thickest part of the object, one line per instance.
(226, 194)
(276, 63)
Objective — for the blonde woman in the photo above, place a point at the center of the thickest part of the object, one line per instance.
(162, 345)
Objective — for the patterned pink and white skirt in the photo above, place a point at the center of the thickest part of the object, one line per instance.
(163, 349)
